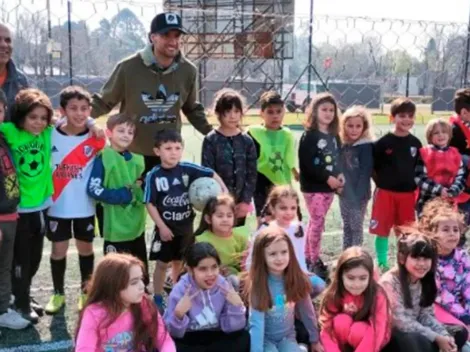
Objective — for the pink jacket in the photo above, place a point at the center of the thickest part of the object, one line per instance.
(364, 336)
(118, 336)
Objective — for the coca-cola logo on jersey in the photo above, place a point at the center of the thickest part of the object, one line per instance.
(178, 201)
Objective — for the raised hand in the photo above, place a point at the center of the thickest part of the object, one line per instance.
(185, 303)
(231, 295)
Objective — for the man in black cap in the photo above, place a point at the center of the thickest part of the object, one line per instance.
(154, 85)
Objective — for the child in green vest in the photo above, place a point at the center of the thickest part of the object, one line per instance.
(115, 181)
(275, 147)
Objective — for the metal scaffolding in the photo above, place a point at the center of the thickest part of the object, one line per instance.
(252, 37)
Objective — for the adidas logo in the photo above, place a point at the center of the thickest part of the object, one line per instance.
(54, 149)
(90, 227)
(162, 102)
(176, 182)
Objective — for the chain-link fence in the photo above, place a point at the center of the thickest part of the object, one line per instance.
(361, 60)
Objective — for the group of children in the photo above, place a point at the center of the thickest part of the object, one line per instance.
(52, 173)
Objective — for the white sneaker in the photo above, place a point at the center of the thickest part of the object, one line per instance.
(13, 320)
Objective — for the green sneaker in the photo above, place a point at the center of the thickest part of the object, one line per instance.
(55, 304)
(81, 301)
(383, 268)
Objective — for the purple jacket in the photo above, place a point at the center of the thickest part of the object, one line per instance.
(210, 310)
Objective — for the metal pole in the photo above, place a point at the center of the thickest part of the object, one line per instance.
(310, 44)
(407, 83)
(69, 14)
(49, 35)
(467, 54)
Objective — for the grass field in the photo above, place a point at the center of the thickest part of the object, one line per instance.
(54, 333)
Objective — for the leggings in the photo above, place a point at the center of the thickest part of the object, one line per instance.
(318, 205)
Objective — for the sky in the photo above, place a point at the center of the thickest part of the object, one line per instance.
(440, 10)
(408, 36)
(427, 10)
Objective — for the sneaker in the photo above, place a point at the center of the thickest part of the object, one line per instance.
(29, 314)
(160, 303)
(383, 268)
(321, 270)
(36, 306)
(81, 301)
(55, 304)
(12, 320)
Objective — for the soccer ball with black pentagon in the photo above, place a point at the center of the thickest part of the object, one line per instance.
(32, 163)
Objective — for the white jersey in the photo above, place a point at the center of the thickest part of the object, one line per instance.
(297, 242)
(72, 158)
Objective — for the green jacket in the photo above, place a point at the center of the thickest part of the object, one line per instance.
(153, 95)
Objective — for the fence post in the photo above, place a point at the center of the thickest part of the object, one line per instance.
(407, 91)
(69, 17)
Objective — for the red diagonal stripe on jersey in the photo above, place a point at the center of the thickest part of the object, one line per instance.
(76, 157)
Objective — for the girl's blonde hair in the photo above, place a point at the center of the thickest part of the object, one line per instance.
(438, 210)
(311, 113)
(356, 111)
(433, 124)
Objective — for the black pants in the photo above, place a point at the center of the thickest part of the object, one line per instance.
(136, 247)
(414, 342)
(214, 341)
(27, 255)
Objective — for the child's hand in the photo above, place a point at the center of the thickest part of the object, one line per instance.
(139, 183)
(223, 269)
(444, 193)
(242, 209)
(446, 343)
(316, 347)
(232, 296)
(185, 303)
(165, 233)
(97, 131)
(333, 182)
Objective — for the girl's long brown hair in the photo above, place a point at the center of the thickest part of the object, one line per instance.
(296, 283)
(351, 258)
(331, 304)
(110, 277)
(311, 113)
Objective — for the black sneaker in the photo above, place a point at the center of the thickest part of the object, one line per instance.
(36, 307)
(29, 314)
(321, 270)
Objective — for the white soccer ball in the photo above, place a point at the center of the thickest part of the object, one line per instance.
(201, 190)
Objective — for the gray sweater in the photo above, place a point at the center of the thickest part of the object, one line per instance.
(417, 319)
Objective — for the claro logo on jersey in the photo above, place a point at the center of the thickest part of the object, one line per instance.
(176, 201)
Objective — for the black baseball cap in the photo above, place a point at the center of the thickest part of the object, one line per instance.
(165, 22)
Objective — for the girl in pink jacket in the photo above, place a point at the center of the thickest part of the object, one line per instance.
(118, 316)
(355, 314)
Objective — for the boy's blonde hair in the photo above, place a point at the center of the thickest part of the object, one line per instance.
(433, 124)
(356, 111)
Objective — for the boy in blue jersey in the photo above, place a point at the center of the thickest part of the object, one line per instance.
(167, 201)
